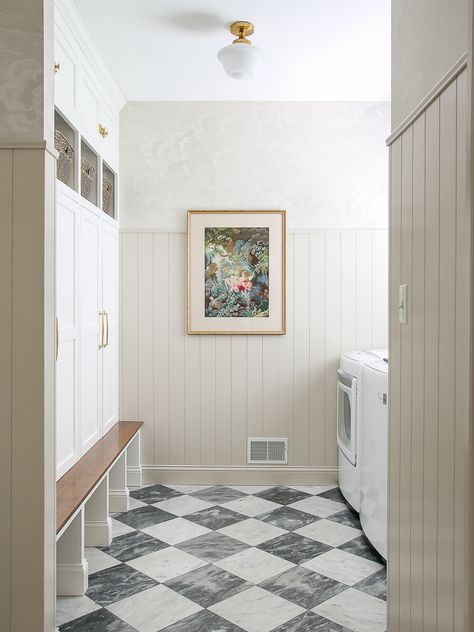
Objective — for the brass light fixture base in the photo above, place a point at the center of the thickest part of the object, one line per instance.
(242, 30)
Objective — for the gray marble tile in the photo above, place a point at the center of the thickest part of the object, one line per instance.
(375, 585)
(212, 546)
(348, 517)
(355, 610)
(98, 621)
(143, 517)
(203, 621)
(303, 587)
(215, 517)
(154, 494)
(334, 494)
(361, 546)
(288, 518)
(218, 494)
(208, 585)
(113, 584)
(294, 548)
(310, 622)
(131, 545)
(283, 495)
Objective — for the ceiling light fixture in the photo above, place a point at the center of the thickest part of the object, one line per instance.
(240, 59)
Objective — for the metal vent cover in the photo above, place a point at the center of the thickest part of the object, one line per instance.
(267, 450)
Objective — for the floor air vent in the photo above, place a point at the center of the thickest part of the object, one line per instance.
(267, 450)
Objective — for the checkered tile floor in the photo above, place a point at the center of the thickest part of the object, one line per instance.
(232, 559)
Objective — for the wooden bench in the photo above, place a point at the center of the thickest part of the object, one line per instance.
(94, 487)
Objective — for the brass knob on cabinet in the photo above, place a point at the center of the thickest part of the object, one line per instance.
(103, 131)
(57, 67)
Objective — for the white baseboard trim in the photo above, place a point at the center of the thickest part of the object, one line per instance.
(118, 500)
(134, 476)
(98, 533)
(239, 475)
(72, 579)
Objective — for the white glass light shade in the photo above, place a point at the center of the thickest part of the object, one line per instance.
(240, 61)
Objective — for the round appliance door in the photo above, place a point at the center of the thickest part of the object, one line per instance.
(346, 414)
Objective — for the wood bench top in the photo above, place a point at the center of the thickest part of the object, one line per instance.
(78, 482)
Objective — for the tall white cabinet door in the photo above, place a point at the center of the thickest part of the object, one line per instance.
(67, 378)
(91, 329)
(110, 353)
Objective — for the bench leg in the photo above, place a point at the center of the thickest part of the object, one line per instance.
(98, 525)
(118, 492)
(134, 470)
(71, 570)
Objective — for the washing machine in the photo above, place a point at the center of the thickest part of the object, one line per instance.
(374, 454)
(350, 419)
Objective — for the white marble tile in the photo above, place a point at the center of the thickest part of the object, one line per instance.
(251, 489)
(329, 532)
(134, 503)
(251, 505)
(343, 567)
(254, 565)
(355, 610)
(119, 528)
(256, 610)
(176, 531)
(252, 531)
(98, 560)
(154, 609)
(69, 608)
(313, 489)
(188, 489)
(166, 564)
(317, 506)
(183, 505)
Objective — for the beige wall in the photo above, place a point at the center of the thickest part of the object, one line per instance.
(429, 416)
(428, 37)
(201, 397)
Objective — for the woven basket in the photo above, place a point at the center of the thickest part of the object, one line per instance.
(87, 177)
(107, 196)
(65, 158)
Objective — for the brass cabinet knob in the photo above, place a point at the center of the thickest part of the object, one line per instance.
(57, 67)
(103, 131)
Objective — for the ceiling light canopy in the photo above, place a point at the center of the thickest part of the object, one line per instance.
(240, 59)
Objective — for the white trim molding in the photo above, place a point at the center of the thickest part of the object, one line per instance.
(232, 475)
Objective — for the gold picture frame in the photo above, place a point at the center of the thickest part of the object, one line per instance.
(251, 300)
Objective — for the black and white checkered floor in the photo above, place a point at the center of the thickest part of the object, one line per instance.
(231, 559)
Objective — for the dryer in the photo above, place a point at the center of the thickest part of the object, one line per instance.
(350, 419)
(374, 455)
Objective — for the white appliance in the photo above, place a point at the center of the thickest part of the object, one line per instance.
(349, 419)
(374, 455)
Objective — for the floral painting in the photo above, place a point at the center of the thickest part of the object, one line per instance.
(236, 279)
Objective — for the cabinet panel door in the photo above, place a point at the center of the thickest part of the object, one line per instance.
(65, 80)
(89, 106)
(110, 354)
(91, 329)
(67, 367)
(109, 144)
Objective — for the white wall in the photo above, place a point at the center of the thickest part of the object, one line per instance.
(200, 397)
(428, 37)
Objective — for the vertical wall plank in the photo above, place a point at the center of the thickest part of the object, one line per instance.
(192, 405)
(418, 350)
(285, 357)
(430, 497)
(364, 264)
(224, 400)
(270, 386)
(379, 267)
(145, 291)
(161, 348)
(239, 400)
(129, 318)
(349, 292)
(301, 371)
(176, 338)
(208, 400)
(317, 348)
(254, 386)
(394, 455)
(447, 284)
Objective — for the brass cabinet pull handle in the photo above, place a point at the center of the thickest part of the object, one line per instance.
(103, 131)
(107, 330)
(101, 314)
(57, 339)
(57, 67)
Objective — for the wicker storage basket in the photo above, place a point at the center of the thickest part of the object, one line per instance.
(87, 178)
(107, 196)
(65, 158)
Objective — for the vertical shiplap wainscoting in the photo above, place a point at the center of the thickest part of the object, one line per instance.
(200, 397)
(429, 417)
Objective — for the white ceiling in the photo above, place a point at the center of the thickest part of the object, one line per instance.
(165, 50)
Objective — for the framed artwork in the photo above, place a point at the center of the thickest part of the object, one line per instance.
(236, 272)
